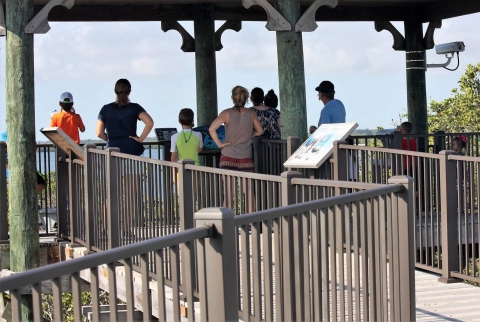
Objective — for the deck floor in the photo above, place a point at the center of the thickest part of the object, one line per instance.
(437, 301)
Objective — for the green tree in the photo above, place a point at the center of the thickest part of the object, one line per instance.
(458, 113)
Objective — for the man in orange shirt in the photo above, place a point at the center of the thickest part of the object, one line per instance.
(67, 119)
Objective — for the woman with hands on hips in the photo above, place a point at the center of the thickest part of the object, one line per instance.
(241, 125)
(117, 122)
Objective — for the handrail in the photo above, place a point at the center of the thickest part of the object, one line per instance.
(145, 159)
(336, 184)
(387, 150)
(275, 213)
(463, 158)
(248, 175)
(57, 270)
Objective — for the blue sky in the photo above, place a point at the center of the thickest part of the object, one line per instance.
(86, 59)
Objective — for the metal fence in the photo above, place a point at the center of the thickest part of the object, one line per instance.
(291, 263)
(348, 257)
(462, 230)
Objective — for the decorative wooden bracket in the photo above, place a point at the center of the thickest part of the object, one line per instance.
(398, 39)
(39, 24)
(188, 45)
(428, 42)
(307, 20)
(276, 22)
(229, 24)
(3, 28)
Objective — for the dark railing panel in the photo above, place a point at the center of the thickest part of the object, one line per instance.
(77, 229)
(467, 217)
(377, 165)
(339, 258)
(269, 155)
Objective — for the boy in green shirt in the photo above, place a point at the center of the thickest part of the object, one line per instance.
(187, 143)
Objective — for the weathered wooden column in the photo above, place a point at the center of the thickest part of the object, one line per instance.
(416, 85)
(23, 208)
(205, 63)
(291, 73)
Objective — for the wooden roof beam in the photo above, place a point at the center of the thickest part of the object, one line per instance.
(445, 9)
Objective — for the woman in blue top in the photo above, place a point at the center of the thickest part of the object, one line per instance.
(117, 122)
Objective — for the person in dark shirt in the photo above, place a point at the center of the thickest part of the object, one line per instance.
(117, 121)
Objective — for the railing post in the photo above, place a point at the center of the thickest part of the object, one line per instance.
(185, 196)
(289, 194)
(449, 216)
(340, 162)
(293, 143)
(61, 168)
(218, 264)
(406, 248)
(3, 192)
(186, 209)
(89, 195)
(113, 200)
(439, 142)
(286, 267)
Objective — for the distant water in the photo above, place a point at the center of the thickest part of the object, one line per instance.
(46, 159)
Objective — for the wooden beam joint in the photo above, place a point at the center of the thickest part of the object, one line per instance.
(428, 41)
(275, 21)
(188, 44)
(307, 20)
(398, 38)
(229, 24)
(39, 24)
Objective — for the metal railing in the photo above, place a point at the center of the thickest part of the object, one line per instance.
(240, 191)
(101, 268)
(377, 165)
(347, 250)
(461, 232)
(347, 257)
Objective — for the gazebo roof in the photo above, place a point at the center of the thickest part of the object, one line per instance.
(180, 10)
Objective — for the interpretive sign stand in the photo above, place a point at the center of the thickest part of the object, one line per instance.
(63, 141)
(319, 146)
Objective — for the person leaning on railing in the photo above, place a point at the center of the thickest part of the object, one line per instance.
(117, 122)
(267, 114)
(239, 122)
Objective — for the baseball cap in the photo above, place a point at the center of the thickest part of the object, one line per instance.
(66, 98)
(325, 87)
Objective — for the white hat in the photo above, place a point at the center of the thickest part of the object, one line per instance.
(66, 98)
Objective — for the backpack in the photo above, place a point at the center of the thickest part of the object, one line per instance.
(208, 142)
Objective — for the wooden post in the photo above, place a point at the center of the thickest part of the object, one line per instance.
(205, 63)
(3, 193)
(416, 86)
(291, 73)
(23, 207)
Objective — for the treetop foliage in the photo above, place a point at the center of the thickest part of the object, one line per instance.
(459, 112)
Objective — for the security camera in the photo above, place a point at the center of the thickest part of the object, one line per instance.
(450, 48)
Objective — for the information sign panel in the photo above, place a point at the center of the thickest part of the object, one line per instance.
(319, 146)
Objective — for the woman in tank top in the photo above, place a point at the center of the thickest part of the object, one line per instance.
(241, 125)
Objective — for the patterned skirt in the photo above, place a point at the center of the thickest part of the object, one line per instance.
(245, 165)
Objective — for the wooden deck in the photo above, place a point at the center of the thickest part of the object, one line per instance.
(445, 302)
